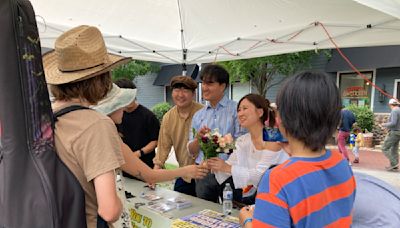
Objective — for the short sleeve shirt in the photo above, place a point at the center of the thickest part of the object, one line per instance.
(138, 128)
(89, 145)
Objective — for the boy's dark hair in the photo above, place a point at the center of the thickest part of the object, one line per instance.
(263, 103)
(93, 89)
(215, 73)
(125, 83)
(309, 105)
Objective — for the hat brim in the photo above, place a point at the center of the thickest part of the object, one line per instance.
(121, 100)
(56, 77)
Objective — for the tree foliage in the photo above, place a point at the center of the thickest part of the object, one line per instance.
(160, 109)
(262, 71)
(133, 69)
(364, 116)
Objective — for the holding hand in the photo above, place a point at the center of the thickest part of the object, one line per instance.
(204, 130)
(217, 164)
(195, 171)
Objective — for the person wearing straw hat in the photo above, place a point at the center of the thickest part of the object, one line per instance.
(78, 73)
(113, 105)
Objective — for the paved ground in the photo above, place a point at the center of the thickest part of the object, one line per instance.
(373, 162)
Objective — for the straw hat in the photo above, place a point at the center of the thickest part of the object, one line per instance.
(117, 98)
(80, 53)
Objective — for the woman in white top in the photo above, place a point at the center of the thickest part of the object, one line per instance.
(252, 156)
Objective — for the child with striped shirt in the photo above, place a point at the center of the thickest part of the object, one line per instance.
(315, 187)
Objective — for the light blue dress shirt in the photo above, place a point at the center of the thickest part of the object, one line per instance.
(223, 117)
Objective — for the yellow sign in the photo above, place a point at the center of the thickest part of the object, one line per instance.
(137, 218)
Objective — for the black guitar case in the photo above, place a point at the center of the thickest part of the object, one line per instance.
(36, 188)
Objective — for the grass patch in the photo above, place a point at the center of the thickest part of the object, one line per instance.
(170, 166)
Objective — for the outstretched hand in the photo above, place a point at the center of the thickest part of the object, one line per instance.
(195, 171)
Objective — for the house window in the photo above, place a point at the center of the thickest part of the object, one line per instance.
(354, 89)
(168, 95)
(239, 90)
(396, 93)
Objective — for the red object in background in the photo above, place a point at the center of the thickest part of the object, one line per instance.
(355, 91)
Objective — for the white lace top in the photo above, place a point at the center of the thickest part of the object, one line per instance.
(249, 164)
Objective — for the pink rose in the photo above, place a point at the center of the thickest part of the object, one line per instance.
(222, 142)
(228, 138)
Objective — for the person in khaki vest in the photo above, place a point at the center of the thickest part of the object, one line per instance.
(78, 72)
(175, 127)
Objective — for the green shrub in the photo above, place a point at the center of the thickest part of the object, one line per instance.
(364, 116)
(160, 109)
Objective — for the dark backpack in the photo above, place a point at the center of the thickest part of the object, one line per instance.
(36, 188)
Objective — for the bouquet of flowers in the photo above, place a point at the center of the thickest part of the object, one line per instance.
(213, 143)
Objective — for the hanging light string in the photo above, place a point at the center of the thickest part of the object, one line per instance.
(351, 64)
(365, 78)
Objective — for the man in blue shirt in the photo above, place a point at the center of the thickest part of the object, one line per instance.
(221, 113)
(346, 123)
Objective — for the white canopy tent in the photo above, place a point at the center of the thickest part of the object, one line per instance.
(190, 31)
(391, 7)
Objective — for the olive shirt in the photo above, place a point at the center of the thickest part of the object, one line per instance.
(89, 145)
(174, 132)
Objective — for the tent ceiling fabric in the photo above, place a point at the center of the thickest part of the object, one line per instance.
(391, 7)
(219, 30)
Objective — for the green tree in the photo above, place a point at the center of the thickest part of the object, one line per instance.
(160, 109)
(364, 116)
(133, 69)
(262, 71)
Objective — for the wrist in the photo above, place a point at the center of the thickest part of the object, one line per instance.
(247, 221)
(137, 153)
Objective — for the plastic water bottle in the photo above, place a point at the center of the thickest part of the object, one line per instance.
(227, 199)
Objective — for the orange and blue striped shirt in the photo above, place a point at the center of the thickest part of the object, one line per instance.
(306, 192)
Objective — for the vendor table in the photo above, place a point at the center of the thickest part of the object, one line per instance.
(142, 216)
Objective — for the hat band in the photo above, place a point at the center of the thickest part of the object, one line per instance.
(181, 85)
(66, 71)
